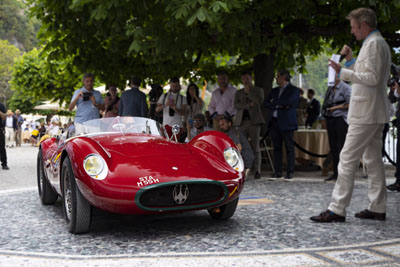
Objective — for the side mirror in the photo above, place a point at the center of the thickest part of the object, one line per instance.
(175, 130)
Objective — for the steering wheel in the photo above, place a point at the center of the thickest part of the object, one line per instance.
(138, 127)
(118, 127)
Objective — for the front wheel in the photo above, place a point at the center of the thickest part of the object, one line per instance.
(77, 209)
(46, 193)
(226, 211)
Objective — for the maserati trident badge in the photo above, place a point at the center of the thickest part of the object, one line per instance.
(180, 193)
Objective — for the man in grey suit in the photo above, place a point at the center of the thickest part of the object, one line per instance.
(133, 102)
(367, 115)
(249, 117)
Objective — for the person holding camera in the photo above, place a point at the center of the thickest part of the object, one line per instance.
(88, 101)
(173, 105)
(334, 110)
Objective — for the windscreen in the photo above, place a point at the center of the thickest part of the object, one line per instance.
(123, 125)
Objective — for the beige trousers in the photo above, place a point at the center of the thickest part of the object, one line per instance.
(361, 139)
(10, 137)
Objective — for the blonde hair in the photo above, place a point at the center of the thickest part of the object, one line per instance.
(363, 14)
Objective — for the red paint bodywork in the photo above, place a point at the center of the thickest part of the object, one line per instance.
(131, 156)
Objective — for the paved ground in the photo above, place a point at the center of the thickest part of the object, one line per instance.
(271, 227)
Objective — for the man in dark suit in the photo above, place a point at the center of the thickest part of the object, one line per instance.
(133, 102)
(248, 117)
(313, 108)
(3, 154)
(283, 101)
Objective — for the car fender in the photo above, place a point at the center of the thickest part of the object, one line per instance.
(213, 143)
(77, 149)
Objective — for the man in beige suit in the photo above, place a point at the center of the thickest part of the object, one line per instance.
(249, 117)
(367, 116)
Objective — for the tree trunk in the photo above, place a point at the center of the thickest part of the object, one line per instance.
(263, 78)
(264, 71)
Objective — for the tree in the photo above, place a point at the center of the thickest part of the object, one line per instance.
(8, 53)
(158, 39)
(16, 27)
(36, 78)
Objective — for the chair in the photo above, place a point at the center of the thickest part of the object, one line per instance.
(265, 148)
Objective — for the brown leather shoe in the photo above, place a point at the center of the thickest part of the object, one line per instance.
(394, 187)
(328, 217)
(367, 214)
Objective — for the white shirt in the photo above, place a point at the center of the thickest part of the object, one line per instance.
(179, 101)
(9, 122)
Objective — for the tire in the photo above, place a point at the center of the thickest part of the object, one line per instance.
(77, 209)
(46, 193)
(226, 211)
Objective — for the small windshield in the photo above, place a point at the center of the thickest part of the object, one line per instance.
(122, 125)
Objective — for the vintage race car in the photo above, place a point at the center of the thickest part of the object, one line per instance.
(127, 165)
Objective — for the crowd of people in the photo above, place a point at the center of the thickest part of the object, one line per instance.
(239, 113)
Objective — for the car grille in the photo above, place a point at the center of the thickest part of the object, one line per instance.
(199, 193)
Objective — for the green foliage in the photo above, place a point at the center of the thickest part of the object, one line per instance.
(317, 74)
(16, 27)
(36, 77)
(158, 39)
(8, 53)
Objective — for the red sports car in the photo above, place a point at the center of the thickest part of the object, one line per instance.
(126, 165)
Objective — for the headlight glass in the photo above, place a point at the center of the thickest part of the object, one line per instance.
(95, 166)
(234, 159)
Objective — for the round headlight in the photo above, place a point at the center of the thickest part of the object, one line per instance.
(95, 166)
(234, 159)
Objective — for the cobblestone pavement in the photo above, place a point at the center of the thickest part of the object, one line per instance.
(271, 227)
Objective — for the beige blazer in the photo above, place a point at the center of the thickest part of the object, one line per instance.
(241, 103)
(369, 75)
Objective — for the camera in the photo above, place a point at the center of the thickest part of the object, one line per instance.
(171, 112)
(86, 96)
(394, 70)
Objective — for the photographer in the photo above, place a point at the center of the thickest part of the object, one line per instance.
(334, 110)
(88, 101)
(173, 106)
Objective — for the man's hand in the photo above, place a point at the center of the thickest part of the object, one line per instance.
(335, 66)
(93, 100)
(347, 52)
(239, 146)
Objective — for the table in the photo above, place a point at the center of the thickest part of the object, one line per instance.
(313, 140)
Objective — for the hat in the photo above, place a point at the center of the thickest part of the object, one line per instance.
(18, 111)
(9, 112)
(54, 119)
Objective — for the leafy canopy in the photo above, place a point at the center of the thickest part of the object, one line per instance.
(157, 39)
(8, 53)
(37, 77)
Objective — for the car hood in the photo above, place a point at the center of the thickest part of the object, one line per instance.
(138, 145)
(136, 156)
